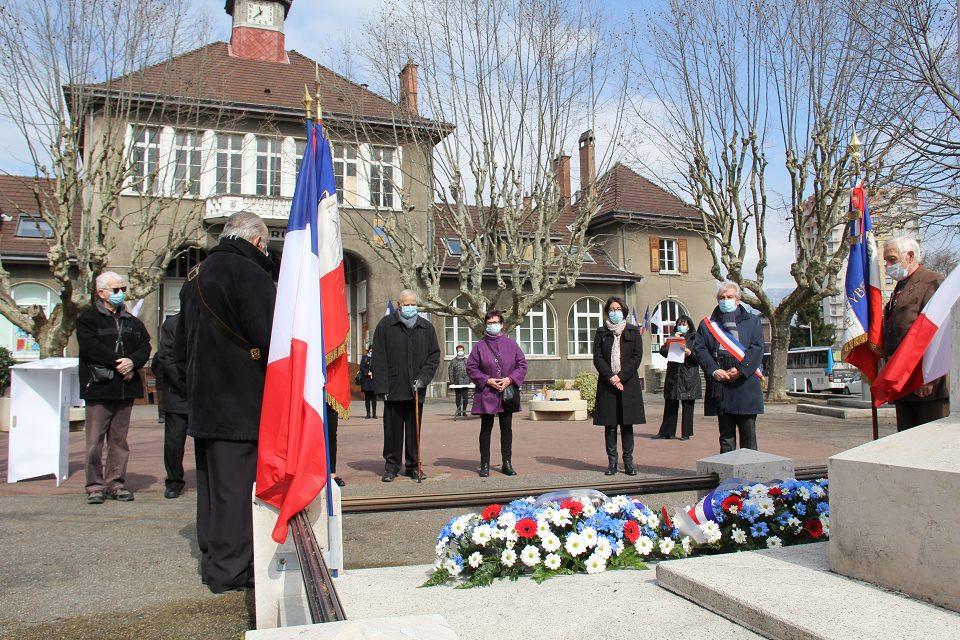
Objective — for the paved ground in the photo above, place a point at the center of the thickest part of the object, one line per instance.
(129, 570)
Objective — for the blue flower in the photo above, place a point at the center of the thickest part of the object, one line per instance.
(759, 530)
(800, 508)
(823, 508)
(650, 533)
(750, 512)
(783, 518)
(459, 560)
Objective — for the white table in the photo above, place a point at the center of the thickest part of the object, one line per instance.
(41, 394)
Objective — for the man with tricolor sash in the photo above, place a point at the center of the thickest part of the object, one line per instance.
(729, 347)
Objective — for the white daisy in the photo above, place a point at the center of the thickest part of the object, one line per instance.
(543, 527)
(774, 542)
(508, 557)
(611, 508)
(617, 550)
(758, 490)
(440, 549)
(589, 510)
(712, 531)
(575, 545)
(794, 522)
(530, 555)
(552, 561)
(475, 559)
(739, 535)
(666, 546)
(507, 521)
(653, 521)
(818, 491)
(687, 545)
(549, 513)
(510, 544)
(589, 535)
(804, 493)
(562, 518)
(458, 527)
(596, 563)
(511, 536)
(825, 521)
(765, 504)
(482, 535)
(604, 548)
(452, 567)
(498, 533)
(550, 542)
(621, 501)
(643, 545)
(640, 517)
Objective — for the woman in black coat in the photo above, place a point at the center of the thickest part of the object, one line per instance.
(617, 352)
(681, 387)
(366, 383)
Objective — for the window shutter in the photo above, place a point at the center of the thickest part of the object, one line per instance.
(682, 250)
(654, 254)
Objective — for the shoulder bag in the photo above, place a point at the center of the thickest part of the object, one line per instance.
(511, 395)
(226, 331)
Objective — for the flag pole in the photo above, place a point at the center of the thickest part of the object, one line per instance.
(873, 415)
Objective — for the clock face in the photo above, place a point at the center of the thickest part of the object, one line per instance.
(260, 13)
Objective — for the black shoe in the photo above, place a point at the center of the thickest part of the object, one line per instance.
(367, 417)
(485, 470)
(507, 469)
(339, 481)
(660, 436)
(412, 474)
(123, 495)
(95, 497)
(390, 476)
(172, 492)
(628, 469)
(684, 437)
(611, 470)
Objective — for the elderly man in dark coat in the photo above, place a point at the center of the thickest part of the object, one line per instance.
(406, 355)
(915, 286)
(222, 344)
(174, 403)
(729, 348)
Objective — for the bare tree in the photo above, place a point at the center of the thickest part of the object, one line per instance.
(506, 85)
(749, 93)
(71, 83)
(941, 259)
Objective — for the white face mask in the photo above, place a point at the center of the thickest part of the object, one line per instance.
(897, 271)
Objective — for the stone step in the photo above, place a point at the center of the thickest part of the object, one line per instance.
(790, 594)
(843, 413)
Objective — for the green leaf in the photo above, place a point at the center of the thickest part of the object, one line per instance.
(438, 577)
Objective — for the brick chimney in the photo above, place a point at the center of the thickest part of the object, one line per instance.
(561, 169)
(588, 161)
(408, 88)
(258, 29)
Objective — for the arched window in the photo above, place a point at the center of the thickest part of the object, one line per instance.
(20, 343)
(586, 315)
(669, 311)
(181, 266)
(538, 333)
(457, 331)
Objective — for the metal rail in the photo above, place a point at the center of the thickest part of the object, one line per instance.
(375, 504)
(322, 597)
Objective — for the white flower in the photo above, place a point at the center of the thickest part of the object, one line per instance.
(794, 522)
(640, 517)
(438, 563)
(552, 561)
(458, 527)
(687, 545)
(507, 520)
(511, 536)
(765, 504)
(653, 521)
(758, 490)
(562, 518)
(508, 557)
(575, 545)
(475, 559)
(589, 510)
(712, 531)
(529, 499)
(549, 512)
(452, 567)
(643, 545)
(482, 535)
(596, 563)
(511, 544)
(825, 521)
(589, 535)
(666, 545)
(739, 535)
(530, 555)
(543, 527)
(611, 507)
(774, 542)
(550, 542)
(604, 548)
(619, 548)
(804, 493)
(621, 501)
(818, 491)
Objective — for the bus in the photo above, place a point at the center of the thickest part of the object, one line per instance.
(815, 370)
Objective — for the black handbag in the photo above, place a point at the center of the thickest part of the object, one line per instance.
(510, 396)
(100, 374)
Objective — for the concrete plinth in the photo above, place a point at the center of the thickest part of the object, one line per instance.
(425, 627)
(843, 412)
(894, 513)
(748, 465)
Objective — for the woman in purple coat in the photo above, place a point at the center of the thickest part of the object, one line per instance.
(495, 363)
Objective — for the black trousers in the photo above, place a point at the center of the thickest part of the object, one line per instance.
(669, 425)
(174, 439)
(370, 403)
(914, 414)
(333, 419)
(399, 435)
(462, 396)
(506, 436)
(730, 424)
(626, 440)
(226, 470)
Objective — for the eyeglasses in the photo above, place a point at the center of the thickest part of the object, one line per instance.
(114, 289)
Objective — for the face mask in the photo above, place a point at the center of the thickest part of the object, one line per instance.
(897, 271)
(116, 299)
(682, 329)
(727, 305)
(459, 353)
(408, 311)
(615, 317)
(494, 329)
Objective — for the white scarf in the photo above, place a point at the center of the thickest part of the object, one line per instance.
(617, 331)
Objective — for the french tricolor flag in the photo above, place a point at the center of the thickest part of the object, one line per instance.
(924, 353)
(292, 466)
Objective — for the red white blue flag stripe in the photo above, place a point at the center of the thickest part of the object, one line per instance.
(729, 343)
(863, 305)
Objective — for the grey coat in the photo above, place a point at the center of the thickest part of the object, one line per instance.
(457, 372)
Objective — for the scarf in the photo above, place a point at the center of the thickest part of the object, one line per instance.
(408, 322)
(617, 331)
(729, 322)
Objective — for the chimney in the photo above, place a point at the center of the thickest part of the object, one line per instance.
(561, 169)
(527, 204)
(588, 161)
(408, 87)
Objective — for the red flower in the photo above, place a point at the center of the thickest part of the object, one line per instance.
(732, 503)
(492, 512)
(573, 506)
(631, 531)
(814, 527)
(527, 528)
(775, 491)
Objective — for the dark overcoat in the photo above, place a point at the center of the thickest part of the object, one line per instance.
(224, 385)
(102, 337)
(615, 407)
(682, 381)
(402, 355)
(366, 373)
(173, 399)
(743, 396)
(901, 311)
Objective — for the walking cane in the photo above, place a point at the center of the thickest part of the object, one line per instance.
(416, 417)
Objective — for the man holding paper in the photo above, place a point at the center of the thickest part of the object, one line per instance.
(681, 386)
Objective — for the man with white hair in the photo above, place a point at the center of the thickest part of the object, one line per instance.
(915, 285)
(221, 349)
(113, 346)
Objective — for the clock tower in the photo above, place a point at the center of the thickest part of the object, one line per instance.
(258, 29)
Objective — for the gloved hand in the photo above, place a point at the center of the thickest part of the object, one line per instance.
(417, 385)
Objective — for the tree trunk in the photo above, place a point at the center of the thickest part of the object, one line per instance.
(55, 334)
(779, 345)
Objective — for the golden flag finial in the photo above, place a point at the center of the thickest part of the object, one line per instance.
(307, 101)
(316, 95)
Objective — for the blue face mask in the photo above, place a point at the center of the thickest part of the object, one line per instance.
(408, 311)
(727, 305)
(494, 329)
(615, 317)
(116, 299)
(682, 329)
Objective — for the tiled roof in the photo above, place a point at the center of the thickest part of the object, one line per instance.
(211, 74)
(17, 197)
(623, 190)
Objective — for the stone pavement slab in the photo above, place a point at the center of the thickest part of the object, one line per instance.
(790, 594)
(425, 627)
(615, 604)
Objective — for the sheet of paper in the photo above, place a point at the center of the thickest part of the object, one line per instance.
(675, 352)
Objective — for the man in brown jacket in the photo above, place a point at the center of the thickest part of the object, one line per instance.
(915, 287)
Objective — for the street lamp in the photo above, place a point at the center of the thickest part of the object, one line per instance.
(809, 327)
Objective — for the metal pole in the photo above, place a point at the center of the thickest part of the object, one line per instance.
(416, 417)
(873, 416)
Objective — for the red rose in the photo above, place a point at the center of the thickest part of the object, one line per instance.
(814, 527)
(631, 531)
(527, 528)
(573, 506)
(732, 503)
(775, 491)
(492, 512)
